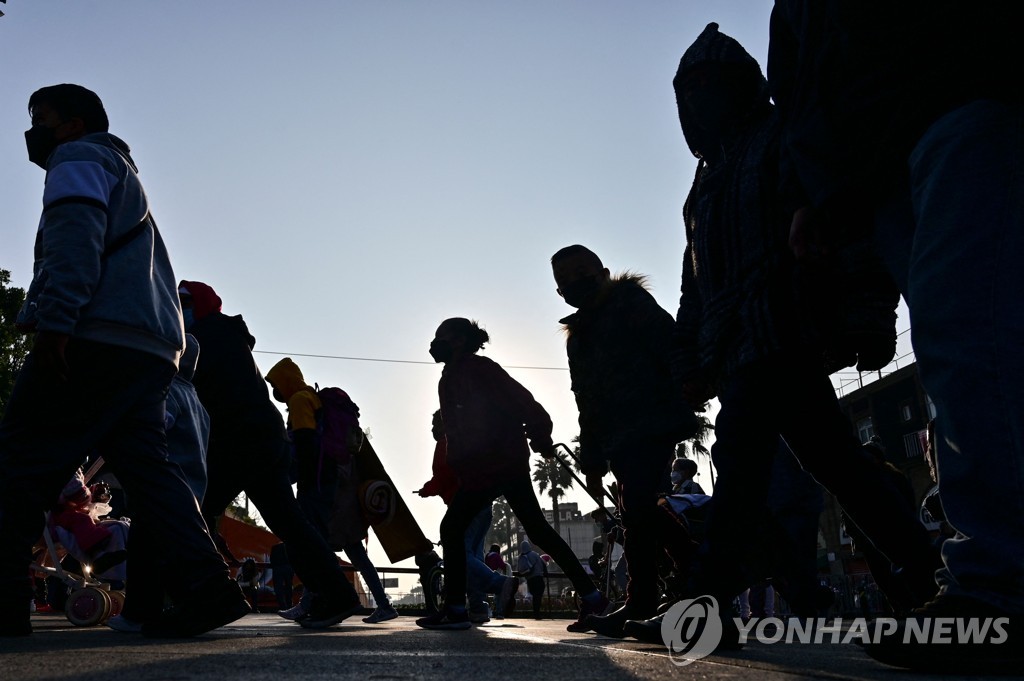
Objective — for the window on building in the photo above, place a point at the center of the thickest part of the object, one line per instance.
(906, 412)
(865, 429)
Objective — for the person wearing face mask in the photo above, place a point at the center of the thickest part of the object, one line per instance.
(488, 417)
(682, 474)
(107, 341)
(743, 337)
(619, 344)
(248, 452)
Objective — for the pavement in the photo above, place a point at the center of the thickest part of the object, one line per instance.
(264, 646)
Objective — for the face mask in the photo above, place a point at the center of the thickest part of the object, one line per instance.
(189, 318)
(581, 292)
(676, 477)
(40, 142)
(441, 351)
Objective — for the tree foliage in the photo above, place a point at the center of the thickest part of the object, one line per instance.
(554, 480)
(696, 447)
(14, 345)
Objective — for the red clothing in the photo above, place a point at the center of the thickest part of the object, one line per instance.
(445, 483)
(204, 299)
(487, 417)
(494, 561)
(87, 532)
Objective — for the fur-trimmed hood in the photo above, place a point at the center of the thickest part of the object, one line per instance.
(623, 285)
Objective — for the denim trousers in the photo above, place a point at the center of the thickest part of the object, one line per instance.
(518, 492)
(111, 404)
(480, 579)
(954, 242)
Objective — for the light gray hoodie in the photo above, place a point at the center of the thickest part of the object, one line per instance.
(99, 275)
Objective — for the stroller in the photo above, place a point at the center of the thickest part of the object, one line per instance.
(681, 521)
(98, 546)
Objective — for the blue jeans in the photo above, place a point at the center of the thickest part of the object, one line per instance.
(955, 245)
(356, 553)
(480, 579)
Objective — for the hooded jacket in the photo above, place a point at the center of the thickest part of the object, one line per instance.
(227, 379)
(744, 298)
(302, 400)
(737, 302)
(619, 361)
(488, 416)
(530, 564)
(101, 270)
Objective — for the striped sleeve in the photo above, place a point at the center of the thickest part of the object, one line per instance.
(78, 182)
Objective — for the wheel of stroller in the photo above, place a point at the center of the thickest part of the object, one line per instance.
(116, 603)
(87, 607)
(433, 590)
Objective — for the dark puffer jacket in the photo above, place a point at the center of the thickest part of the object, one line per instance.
(619, 360)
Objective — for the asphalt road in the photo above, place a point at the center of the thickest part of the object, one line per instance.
(265, 646)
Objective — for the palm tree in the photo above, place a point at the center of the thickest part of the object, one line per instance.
(553, 479)
(501, 532)
(696, 447)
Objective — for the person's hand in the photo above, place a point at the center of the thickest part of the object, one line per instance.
(806, 234)
(545, 450)
(48, 350)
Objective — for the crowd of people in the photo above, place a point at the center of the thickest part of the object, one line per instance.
(877, 158)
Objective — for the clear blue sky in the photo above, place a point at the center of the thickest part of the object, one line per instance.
(348, 174)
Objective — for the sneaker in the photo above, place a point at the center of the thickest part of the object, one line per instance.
(325, 613)
(210, 607)
(588, 608)
(647, 631)
(480, 616)
(123, 624)
(294, 613)
(445, 620)
(381, 614)
(612, 624)
(995, 650)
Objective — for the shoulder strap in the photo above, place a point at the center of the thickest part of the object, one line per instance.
(129, 236)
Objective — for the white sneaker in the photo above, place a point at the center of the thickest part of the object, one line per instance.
(381, 614)
(294, 613)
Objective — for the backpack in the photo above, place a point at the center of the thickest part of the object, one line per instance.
(338, 426)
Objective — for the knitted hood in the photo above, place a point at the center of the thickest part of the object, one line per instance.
(714, 47)
(205, 300)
